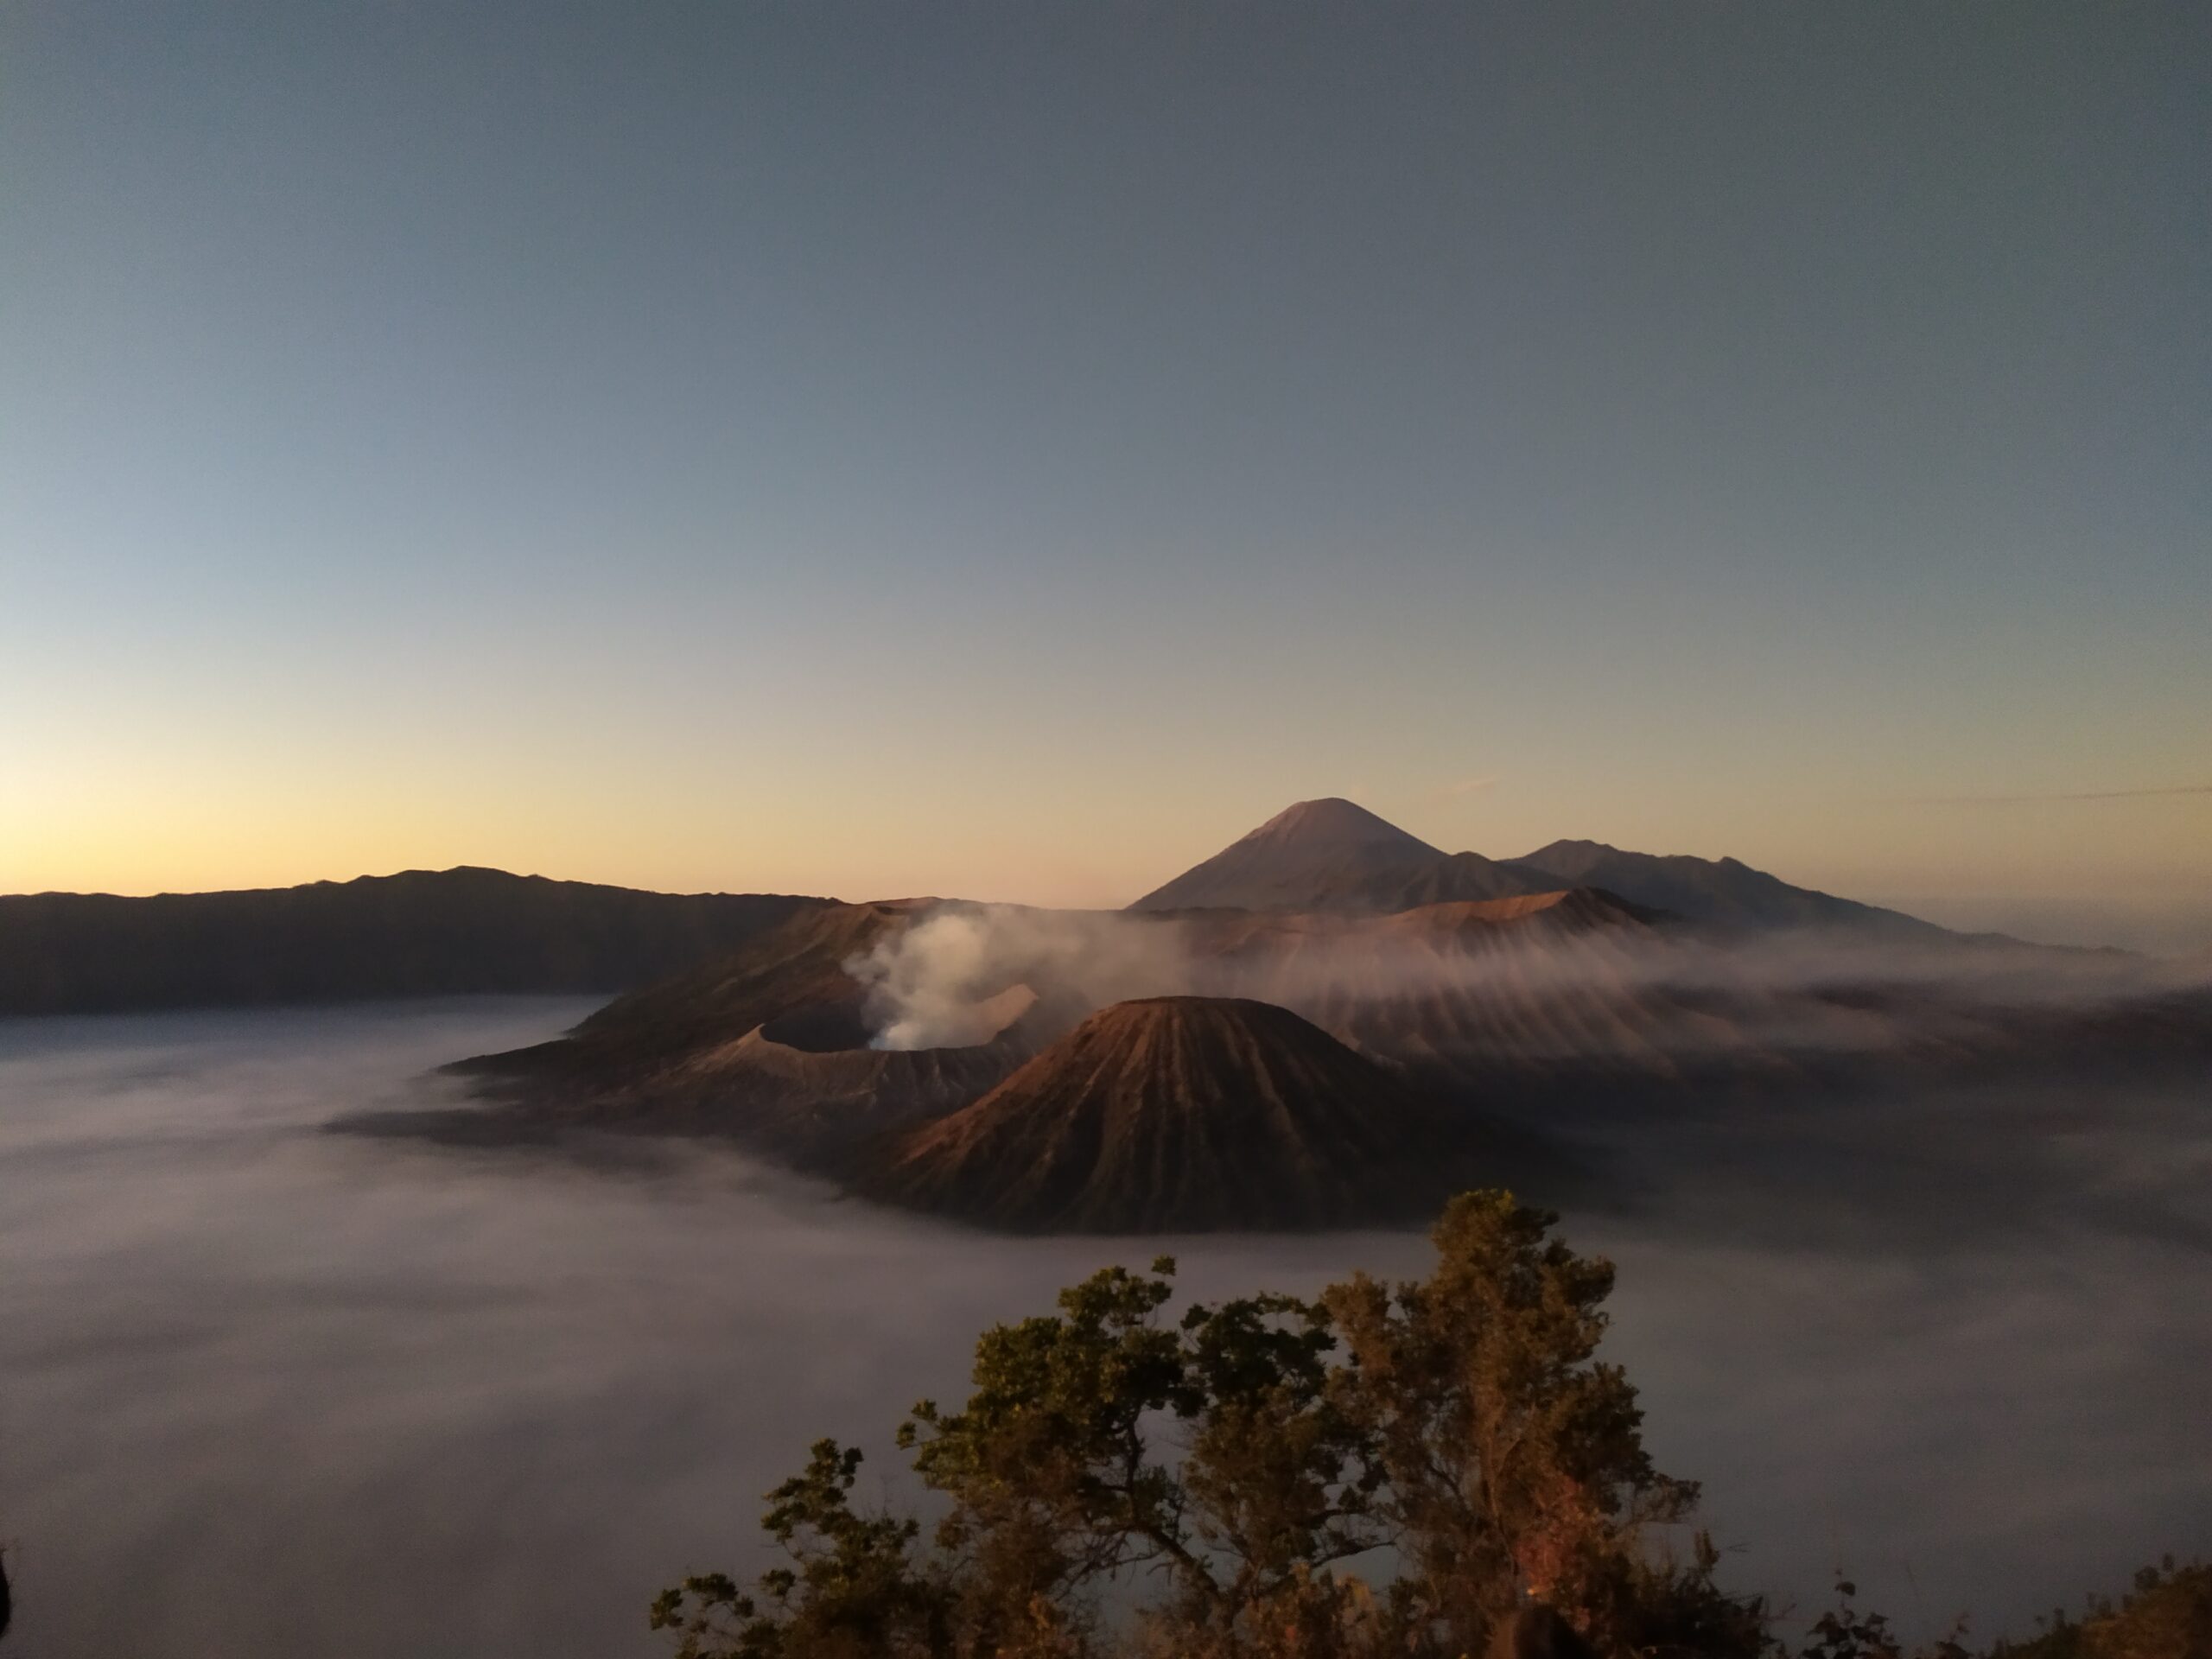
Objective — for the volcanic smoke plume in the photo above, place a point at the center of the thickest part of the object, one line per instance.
(931, 985)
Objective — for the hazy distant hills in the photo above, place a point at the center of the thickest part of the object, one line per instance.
(1184, 1114)
(1333, 855)
(422, 933)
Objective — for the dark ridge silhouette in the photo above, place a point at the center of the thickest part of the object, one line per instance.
(1717, 890)
(419, 933)
(1182, 1113)
(1332, 856)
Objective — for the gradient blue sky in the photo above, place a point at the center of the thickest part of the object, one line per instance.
(1011, 449)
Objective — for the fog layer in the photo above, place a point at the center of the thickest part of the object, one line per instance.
(934, 984)
(271, 1390)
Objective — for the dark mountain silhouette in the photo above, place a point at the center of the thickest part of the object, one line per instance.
(1182, 1113)
(1331, 854)
(1717, 890)
(421, 933)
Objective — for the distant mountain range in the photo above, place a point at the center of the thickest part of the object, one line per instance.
(1334, 855)
(1323, 1024)
(421, 933)
(1336, 1016)
(458, 931)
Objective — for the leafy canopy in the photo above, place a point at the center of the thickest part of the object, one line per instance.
(1232, 1462)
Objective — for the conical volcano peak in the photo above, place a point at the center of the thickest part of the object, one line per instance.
(1334, 821)
(1179, 1114)
(1331, 854)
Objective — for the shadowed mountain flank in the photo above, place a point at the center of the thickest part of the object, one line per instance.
(419, 933)
(1182, 1113)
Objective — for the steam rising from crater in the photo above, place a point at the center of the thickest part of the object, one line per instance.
(941, 982)
(947, 980)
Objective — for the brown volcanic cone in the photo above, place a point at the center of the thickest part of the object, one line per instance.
(1182, 1113)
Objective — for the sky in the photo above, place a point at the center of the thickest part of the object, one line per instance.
(1011, 450)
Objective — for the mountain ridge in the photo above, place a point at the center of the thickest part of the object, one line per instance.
(465, 930)
(1332, 854)
(1724, 891)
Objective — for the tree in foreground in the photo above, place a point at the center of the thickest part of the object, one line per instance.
(1425, 1470)
(1210, 1478)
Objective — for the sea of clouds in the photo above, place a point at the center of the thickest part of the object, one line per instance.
(271, 1388)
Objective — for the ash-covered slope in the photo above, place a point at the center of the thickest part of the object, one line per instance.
(419, 933)
(792, 971)
(796, 1091)
(1331, 854)
(1182, 1113)
(767, 1047)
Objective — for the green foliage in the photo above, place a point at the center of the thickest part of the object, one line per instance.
(1513, 1461)
(1234, 1461)
(1052, 1481)
(852, 1588)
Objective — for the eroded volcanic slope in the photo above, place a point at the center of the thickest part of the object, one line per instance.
(1184, 1114)
(766, 1045)
(796, 968)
